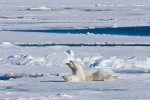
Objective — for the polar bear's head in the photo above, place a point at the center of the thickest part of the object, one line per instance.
(71, 78)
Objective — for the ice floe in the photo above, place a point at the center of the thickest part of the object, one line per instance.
(40, 8)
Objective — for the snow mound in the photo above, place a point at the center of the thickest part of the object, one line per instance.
(59, 59)
(50, 59)
(131, 65)
(40, 8)
(17, 59)
(6, 44)
(8, 76)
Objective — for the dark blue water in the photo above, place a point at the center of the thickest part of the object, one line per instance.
(4, 78)
(127, 31)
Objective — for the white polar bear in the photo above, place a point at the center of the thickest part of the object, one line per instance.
(79, 74)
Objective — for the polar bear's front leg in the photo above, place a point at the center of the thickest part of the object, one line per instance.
(70, 65)
(79, 71)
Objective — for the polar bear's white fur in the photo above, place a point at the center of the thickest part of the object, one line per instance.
(77, 71)
(79, 74)
(98, 75)
(71, 78)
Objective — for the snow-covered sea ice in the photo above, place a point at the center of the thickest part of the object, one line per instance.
(34, 72)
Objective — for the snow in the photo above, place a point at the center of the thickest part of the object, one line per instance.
(41, 8)
(6, 44)
(35, 72)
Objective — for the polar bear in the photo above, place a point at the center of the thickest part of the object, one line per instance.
(79, 74)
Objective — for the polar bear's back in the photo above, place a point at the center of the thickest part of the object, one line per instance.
(88, 74)
(96, 75)
(100, 75)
